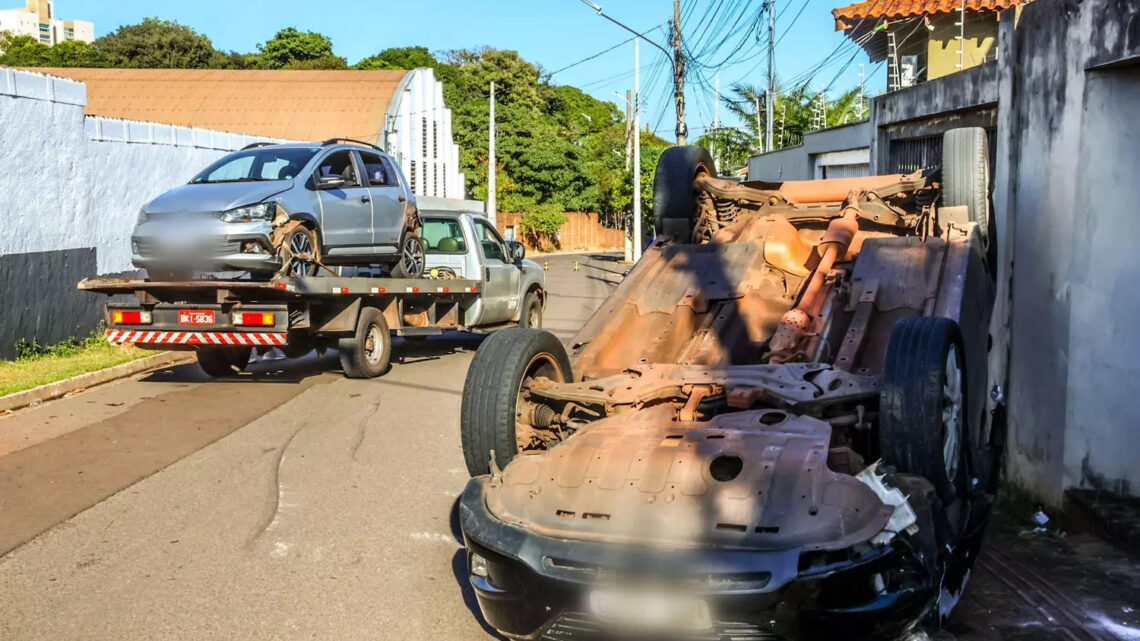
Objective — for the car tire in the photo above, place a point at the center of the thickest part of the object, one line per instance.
(413, 254)
(922, 404)
(303, 240)
(674, 198)
(491, 392)
(220, 362)
(966, 175)
(367, 353)
(531, 314)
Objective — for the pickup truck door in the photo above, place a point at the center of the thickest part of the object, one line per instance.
(500, 276)
(346, 213)
(388, 200)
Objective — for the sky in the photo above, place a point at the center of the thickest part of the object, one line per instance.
(550, 33)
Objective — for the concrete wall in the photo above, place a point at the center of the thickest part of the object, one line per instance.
(1065, 194)
(798, 163)
(966, 99)
(70, 191)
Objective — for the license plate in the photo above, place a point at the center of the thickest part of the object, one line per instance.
(650, 610)
(196, 317)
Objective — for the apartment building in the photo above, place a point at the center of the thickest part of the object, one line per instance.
(38, 19)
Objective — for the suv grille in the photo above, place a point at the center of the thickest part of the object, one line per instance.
(206, 247)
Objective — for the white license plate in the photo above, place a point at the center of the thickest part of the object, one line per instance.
(649, 610)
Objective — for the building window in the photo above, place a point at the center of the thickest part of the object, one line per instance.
(412, 178)
(434, 139)
(45, 28)
(68, 31)
(424, 130)
(45, 38)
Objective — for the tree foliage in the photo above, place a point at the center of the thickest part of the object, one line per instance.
(156, 44)
(26, 51)
(293, 49)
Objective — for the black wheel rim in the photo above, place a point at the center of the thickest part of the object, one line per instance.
(412, 256)
(300, 245)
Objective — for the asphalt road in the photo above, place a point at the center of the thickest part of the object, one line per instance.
(289, 503)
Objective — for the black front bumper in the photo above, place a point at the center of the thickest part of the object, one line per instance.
(537, 586)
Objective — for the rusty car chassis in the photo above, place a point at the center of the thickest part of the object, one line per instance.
(775, 427)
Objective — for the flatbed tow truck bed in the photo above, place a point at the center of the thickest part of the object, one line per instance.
(223, 319)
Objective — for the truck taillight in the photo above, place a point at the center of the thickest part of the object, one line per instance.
(255, 319)
(137, 317)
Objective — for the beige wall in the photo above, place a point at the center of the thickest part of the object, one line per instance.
(942, 50)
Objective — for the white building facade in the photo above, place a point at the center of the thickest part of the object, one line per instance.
(418, 134)
(39, 21)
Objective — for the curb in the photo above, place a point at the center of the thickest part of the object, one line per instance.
(51, 391)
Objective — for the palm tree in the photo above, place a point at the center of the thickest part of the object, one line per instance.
(794, 112)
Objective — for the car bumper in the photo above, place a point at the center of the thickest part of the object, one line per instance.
(206, 245)
(538, 587)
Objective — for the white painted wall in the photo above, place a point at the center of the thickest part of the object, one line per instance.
(68, 181)
(419, 137)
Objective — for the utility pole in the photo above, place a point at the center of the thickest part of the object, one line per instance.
(962, 37)
(637, 238)
(861, 75)
(679, 75)
(759, 130)
(492, 167)
(771, 68)
(628, 127)
(716, 125)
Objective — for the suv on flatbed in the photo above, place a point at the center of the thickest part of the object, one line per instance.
(287, 208)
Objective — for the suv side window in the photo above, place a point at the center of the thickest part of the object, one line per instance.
(492, 244)
(377, 170)
(340, 163)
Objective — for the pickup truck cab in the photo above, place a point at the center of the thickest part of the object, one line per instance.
(466, 245)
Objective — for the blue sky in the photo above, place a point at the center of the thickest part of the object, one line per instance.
(551, 33)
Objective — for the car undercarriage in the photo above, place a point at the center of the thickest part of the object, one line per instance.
(776, 427)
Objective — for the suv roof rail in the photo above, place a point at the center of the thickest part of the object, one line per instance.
(254, 145)
(335, 141)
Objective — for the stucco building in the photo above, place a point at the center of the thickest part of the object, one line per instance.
(924, 39)
(38, 19)
(400, 111)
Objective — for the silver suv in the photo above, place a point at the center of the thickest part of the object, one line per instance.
(284, 208)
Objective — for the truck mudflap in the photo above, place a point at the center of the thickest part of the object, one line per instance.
(222, 339)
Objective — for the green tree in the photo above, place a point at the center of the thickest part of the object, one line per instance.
(156, 44)
(291, 46)
(730, 148)
(22, 51)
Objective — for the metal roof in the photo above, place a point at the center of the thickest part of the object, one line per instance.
(292, 105)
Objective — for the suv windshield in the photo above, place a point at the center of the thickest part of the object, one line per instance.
(251, 165)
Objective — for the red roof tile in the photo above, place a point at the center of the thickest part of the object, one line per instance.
(875, 9)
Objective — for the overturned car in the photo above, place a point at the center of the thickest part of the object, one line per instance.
(775, 428)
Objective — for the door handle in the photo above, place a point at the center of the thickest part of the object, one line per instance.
(365, 199)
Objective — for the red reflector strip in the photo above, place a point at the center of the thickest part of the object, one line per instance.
(412, 290)
(379, 290)
(444, 290)
(340, 290)
(285, 287)
(125, 337)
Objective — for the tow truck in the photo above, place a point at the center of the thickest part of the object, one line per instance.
(476, 282)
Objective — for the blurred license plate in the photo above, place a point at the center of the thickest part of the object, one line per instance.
(195, 317)
(650, 610)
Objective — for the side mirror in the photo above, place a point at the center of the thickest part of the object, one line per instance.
(517, 249)
(331, 181)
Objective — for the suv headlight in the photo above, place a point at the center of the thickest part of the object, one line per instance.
(250, 213)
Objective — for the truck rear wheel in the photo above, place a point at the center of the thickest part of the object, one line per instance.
(367, 353)
(504, 364)
(922, 401)
(220, 362)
